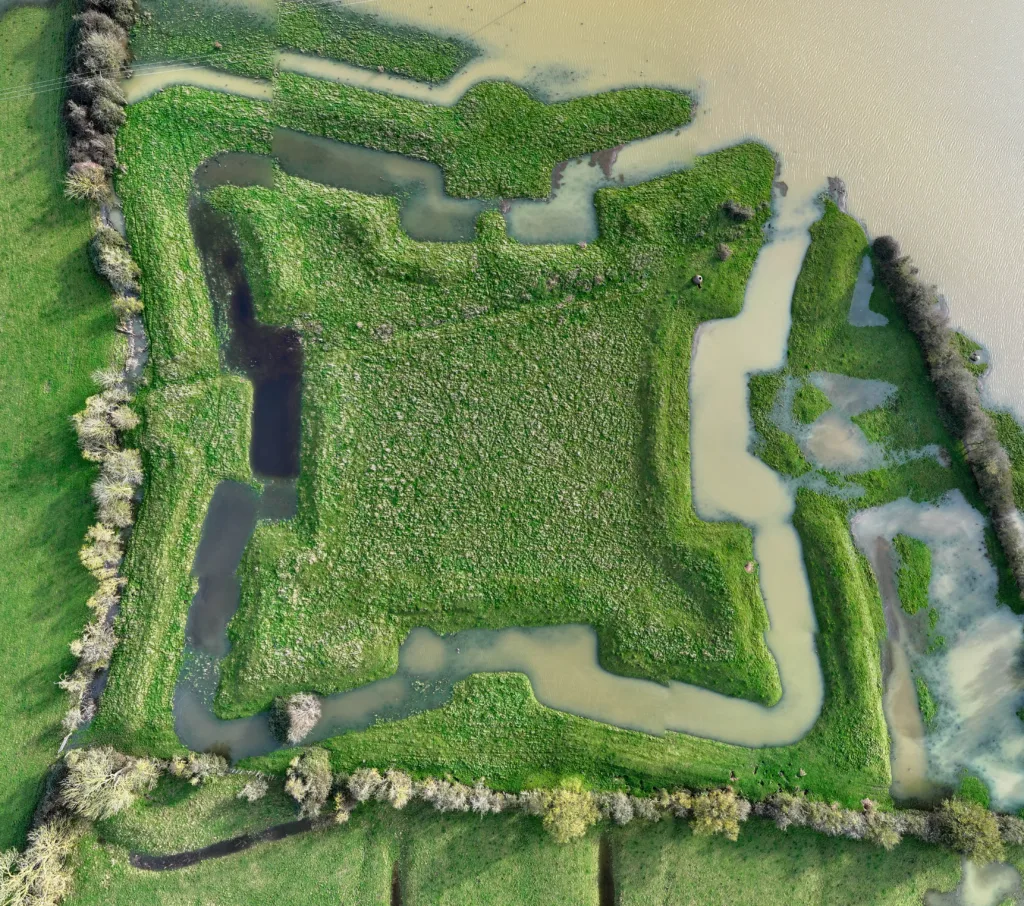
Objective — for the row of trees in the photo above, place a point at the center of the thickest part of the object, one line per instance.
(569, 810)
(94, 111)
(959, 398)
(98, 782)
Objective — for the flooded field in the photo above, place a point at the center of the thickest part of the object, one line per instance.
(917, 108)
(975, 673)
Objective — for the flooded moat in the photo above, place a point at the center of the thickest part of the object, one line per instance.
(834, 441)
(561, 662)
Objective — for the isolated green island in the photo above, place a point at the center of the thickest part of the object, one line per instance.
(494, 434)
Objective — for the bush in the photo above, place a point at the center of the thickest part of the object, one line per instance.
(113, 260)
(102, 52)
(737, 211)
(96, 646)
(723, 252)
(254, 790)
(718, 812)
(569, 812)
(396, 789)
(292, 719)
(445, 796)
(126, 307)
(87, 182)
(124, 12)
(92, 147)
(198, 767)
(309, 781)
(42, 874)
(364, 783)
(106, 115)
(971, 830)
(101, 782)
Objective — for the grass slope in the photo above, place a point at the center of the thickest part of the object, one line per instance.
(56, 329)
(463, 860)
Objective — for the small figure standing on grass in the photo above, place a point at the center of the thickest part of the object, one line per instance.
(698, 281)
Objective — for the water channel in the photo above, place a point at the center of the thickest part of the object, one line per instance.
(569, 215)
(561, 662)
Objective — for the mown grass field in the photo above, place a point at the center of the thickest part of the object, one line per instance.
(55, 329)
(507, 860)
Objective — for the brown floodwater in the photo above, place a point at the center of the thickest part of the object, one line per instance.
(917, 106)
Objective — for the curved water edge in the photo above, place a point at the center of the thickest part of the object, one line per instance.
(561, 662)
(974, 675)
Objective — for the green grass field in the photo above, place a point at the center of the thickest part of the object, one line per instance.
(512, 454)
(465, 860)
(914, 573)
(56, 327)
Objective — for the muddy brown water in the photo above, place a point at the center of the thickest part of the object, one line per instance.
(561, 662)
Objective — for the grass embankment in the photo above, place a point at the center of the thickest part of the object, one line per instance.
(463, 860)
(187, 340)
(496, 141)
(821, 339)
(494, 727)
(250, 36)
(197, 420)
(503, 442)
(56, 329)
(914, 573)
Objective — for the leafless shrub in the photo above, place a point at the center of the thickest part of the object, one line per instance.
(117, 512)
(87, 182)
(396, 789)
(107, 115)
(254, 790)
(124, 12)
(101, 782)
(93, 147)
(363, 783)
(96, 646)
(113, 260)
(615, 807)
(123, 467)
(42, 874)
(309, 781)
(723, 252)
(293, 718)
(645, 809)
(101, 51)
(198, 767)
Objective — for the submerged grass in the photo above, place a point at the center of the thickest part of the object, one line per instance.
(249, 36)
(56, 327)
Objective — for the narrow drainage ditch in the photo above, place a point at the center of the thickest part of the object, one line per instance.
(605, 873)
